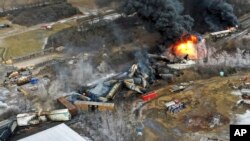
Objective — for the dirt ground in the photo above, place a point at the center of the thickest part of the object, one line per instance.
(205, 98)
(83, 4)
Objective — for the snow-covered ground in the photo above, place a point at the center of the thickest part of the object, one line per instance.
(243, 118)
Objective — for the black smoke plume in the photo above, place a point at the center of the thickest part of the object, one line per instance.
(211, 15)
(163, 16)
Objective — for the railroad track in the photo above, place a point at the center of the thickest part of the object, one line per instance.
(245, 21)
(244, 24)
(244, 18)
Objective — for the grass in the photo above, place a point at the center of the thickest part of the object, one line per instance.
(5, 21)
(28, 42)
(83, 4)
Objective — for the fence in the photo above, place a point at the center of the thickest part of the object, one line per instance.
(34, 54)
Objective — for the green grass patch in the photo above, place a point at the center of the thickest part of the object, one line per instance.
(28, 42)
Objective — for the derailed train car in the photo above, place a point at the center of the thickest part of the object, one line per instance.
(220, 34)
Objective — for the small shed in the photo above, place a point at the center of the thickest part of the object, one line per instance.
(58, 133)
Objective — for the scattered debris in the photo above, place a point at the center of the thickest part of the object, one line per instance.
(60, 49)
(59, 115)
(21, 90)
(177, 88)
(243, 89)
(19, 77)
(139, 129)
(246, 98)
(215, 121)
(180, 87)
(27, 119)
(33, 81)
(4, 26)
(184, 64)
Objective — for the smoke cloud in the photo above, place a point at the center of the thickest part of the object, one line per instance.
(216, 14)
(163, 16)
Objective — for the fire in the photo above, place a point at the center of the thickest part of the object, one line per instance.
(186, 46)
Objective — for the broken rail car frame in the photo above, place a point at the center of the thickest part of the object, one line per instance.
(72, 108)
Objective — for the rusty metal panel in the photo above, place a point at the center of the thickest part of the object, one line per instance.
(72, 108)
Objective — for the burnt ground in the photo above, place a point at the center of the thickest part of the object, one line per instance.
(119, 40)
(45, 14)
(104, 34)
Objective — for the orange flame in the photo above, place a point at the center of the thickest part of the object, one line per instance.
(186, 47)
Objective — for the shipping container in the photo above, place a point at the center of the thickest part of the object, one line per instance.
(148, 96)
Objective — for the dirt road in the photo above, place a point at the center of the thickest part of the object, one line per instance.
(35, 61)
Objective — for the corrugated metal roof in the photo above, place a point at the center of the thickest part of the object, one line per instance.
(58, 133)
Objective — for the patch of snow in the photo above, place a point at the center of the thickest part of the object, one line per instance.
(243, 118)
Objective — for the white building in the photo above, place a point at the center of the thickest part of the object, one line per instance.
(58, 133)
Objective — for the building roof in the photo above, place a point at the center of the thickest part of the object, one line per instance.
(58, 133)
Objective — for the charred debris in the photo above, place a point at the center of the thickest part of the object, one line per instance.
(102, 94)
